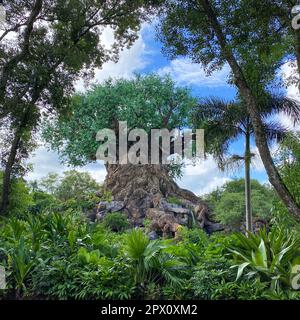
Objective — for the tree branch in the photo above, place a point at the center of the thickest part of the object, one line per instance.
(25, 49)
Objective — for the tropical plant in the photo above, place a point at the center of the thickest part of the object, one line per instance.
(21, 262)
(213, 279)
(75, 277)
(191, 246)
(150, 263)
(116, 221)
(225, 122)
(268, 256)
(42, 201)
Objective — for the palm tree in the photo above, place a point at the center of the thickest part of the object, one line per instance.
(225, 122)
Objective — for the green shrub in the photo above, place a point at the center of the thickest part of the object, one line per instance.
(191, 246)
(116, 221)
(267, 256)
(60, 255)
(20, 198)
(42, 201)
(70, 279)
(151, 263)
(215, 280)
(183, 292)
(217, 246)
(228, 202)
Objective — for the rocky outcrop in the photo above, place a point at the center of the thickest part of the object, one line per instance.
(143, 192)
(163, 223)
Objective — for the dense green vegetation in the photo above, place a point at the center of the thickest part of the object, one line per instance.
(228, 203)
(52, 251)
(59, 255)
(20, 198)
(50, 246)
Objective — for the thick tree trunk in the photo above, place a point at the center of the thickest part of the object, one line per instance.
(147, 191)
(10, 163)
(8, 172)
(248, 184)
(253, 109)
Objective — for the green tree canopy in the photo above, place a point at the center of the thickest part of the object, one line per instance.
(71, 185)
(288, 159)
(20, 197)
(260, 34)
(46, 46)
(146, 102)
(228, 202)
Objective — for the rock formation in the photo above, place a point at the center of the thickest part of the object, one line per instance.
(144, 191)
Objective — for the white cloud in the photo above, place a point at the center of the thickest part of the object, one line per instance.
(45, 161)
(183, 71)
(204, 177)
(130, 61)
(257, 163)
(290, 76)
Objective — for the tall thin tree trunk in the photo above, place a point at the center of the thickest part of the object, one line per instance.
(10, 162)
(253, 109)
(297, 50)
(248, 184)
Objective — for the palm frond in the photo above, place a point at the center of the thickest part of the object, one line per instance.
(223, 122)
(217, 110)
(233, 163)
(136, 244)
(278, 103)
(275, 131)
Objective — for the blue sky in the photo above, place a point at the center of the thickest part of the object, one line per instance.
(211, 86)
(146, 56)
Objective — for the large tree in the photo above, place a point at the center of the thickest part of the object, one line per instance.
(214, 32)
(45, 47)
(71, 185)
(146, 102)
